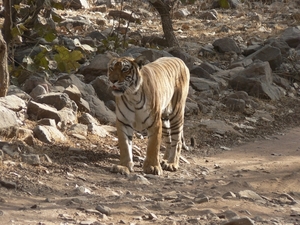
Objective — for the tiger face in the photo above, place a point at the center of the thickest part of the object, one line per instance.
(123, 76)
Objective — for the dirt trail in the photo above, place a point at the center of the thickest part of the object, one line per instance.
(192, 195)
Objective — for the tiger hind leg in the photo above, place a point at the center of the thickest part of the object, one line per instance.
(171, 157)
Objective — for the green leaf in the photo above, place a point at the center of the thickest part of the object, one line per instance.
(56, 17)
(224, 4)
(67, 60)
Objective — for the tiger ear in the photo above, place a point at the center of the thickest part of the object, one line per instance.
(141, 60)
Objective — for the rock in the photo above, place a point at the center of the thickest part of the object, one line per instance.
(87, 119)
(16, 91)
(76, 80)
(8, 119)
(280, 44)
(209, 15)
(78, 128)
(181, 13)
(31, 159)
(228, 214)
(10, 149)
(201, 84)
(25, 135)
(97, 130)
(191, 108)
(198, 71)
(229, 195)
(257, 81)
(103, 209)
(201, 199)
(13, 102)
(49, 134)
(100, 111)
(102, 87)
(153, 54)
(8, 184)
(219, 127)
(37, 91)
(47, 122)
(236, 105)
(16, 104)
(210, 68)
(250, 195)
(241, 221)
(76, 4)
(226, 45)
(185, 57)
(97, 67)
(73, 92)
(268, 54)
(291, 36)
(34, 81)
(40, 111)
(57, 100)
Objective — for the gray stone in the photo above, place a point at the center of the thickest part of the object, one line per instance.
(34, 81)
(257, 81)
(236, 105)
(181, 13)
(49, 134)
(209, 15)
(97, 67)
(16, 91)
(210, 68)
(198, 71)
(100, 111)
(102, 87)
(250, 195)
(268, 54)
(73, 92)
(57, 100)
(191, 108)
(31, 159)
(226, 45)
(25, 135)
(8, 118)
(40, 111)
(10, 149)
(228, 214)
(37, 91)
(201, 84)
(85, 89)
(219, 127)
(13, 102)
(103, 209)
(8, 184)
(47, 122)
(229, 195)
(76, 4)
(78, 128)
(201, 199)
(97, 130)
(181, 54)
(241, 221)
(291, 36)
(87, 119)
(280, 44)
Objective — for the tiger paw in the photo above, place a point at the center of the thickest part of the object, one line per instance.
(169, 166)
(120, 169)
(149, 169)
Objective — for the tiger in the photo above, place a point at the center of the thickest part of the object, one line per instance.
(149, 97)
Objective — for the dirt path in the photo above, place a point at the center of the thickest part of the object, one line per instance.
(192, 195)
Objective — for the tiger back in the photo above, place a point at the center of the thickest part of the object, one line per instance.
(150, 97)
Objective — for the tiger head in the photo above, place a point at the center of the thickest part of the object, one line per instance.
(123, 74)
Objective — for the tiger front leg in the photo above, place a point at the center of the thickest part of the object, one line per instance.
(125, 144)
(151, 164)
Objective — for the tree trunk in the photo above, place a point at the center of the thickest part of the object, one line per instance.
(4, 75)
(164, 12)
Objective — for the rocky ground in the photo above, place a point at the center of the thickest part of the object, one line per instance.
(242, 167)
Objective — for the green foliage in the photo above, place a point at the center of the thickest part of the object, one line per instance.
(37, 19)
(67, 60)
(224, 4)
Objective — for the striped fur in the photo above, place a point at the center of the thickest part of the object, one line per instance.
(150, 97)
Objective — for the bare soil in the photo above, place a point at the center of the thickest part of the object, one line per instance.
(264, 160)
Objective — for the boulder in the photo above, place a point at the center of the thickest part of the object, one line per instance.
(257, 81)
(202, 84)
(226, 44)
(49, 134)
(291, 36)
